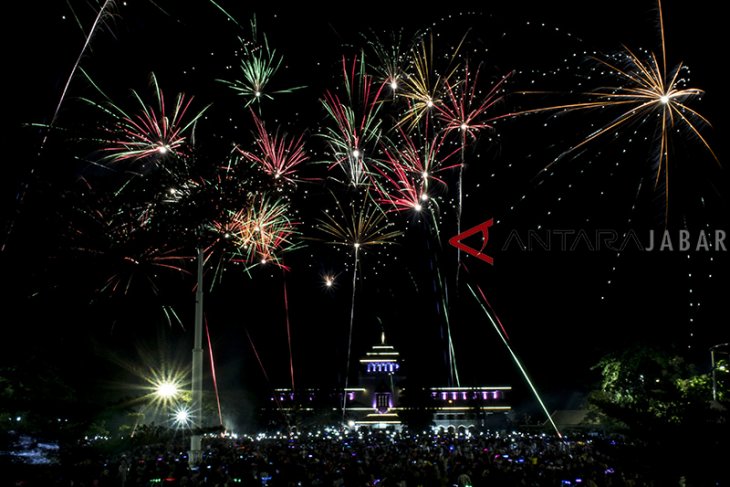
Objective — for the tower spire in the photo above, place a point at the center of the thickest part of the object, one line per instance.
(382, 331)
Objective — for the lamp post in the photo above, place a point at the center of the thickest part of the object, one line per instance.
(195, 454)
(166, 393)
(714, 368)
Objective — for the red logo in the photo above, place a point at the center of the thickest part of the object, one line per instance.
(457, 241)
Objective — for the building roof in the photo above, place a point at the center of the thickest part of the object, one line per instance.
(381, 353)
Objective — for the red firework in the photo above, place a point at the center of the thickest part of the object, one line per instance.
(277, 156)
(463, 111)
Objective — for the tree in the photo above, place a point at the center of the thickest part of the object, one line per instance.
(663, 403)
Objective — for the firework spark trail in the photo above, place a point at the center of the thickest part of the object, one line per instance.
(453, 369)
(212, 369)
(136, 265)
(279, 157)
(228, 16)
(349, 335)
(224, 229)
(516, 360)
(644, 88)
(403, 186)
(362, 228)
(357, 125)
(20, 198)
(263, 370)
(288, 335)
(484, 297)
(170, 313)
(96, 23)
(628, 224)
(120, 235)
(400, 191)
(462, 112)
(128, 244)
(258, 358)
(75, 17)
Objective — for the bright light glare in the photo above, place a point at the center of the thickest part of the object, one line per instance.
(167, 390)
(182, 416)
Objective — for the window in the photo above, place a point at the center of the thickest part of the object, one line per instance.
(382, 401)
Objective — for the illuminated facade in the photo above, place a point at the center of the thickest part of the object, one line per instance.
(378, 399)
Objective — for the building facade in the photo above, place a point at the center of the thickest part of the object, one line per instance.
(380, 398)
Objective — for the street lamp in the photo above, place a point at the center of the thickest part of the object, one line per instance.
(166, 391)
(714, 368)
(181, 417)
(165, 395)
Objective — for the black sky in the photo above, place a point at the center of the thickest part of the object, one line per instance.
(558, 307)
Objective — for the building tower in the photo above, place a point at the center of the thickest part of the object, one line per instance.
(378, 396)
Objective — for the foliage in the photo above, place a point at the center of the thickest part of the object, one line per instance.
(663, 402)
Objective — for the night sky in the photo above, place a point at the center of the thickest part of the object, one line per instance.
(563, 310)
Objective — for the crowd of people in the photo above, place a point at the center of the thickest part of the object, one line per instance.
(344, 458)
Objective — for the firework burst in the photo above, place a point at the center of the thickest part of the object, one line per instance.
(142, 265)
(644, 90)
(126, 240)
(259, 63)
(421, 86)
(367, 226)
(278, 157)
(267, 231)
(463, 110)
(356, 130)
(399, 189)
(420, 159)
(363, 226)
(391, 59)
(154, 132)
(256, 234)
